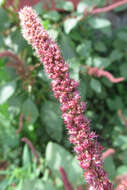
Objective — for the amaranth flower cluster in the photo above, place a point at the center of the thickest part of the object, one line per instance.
(86, 147)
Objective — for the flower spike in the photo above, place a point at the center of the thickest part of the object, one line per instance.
(86, 147)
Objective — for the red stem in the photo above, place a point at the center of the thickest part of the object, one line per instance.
(31, 146)
(107, 153)
(109, 7)
(20, 123)
(122, 117)
(12, 55)
(79, 188)
(65, 179)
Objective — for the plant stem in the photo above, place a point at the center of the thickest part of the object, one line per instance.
(109, 7)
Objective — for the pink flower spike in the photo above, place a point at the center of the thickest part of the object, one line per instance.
(65, 90)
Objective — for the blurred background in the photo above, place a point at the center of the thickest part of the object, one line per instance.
(35, 152)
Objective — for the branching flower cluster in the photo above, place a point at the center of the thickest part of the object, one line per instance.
(65, 89)
(23, 71)
(95, 71)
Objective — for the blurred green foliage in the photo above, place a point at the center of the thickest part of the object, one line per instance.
(84, 41)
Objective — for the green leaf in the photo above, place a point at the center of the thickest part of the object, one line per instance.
(42, 75)
(109, 167)
(83, 88)
(19, 186)
(101, 62)
(6, 91)
(65, 5)
(107, 31)
(4, 184)
(26, 158)
(4, 75)
(38, 8)
(87, 5)
(122, 35)
(75, 35)
(121, 8)
(120, 44)
(115, 104)
(57, 156)
(52, 15)
(116, 55)
(66, 47)
(46, 24)
(100, 46)
(6, 130)
(4, 20)
(82, 6)
(15, 104)
(4, 110)
(53, 34)
(2, 2)
(75, 173)
(70, 24)
(84, 49)
(97, 23)
(30, 111)
(121, 141)
(51, 117)
(124, 157)
(1, 40)
(37, 185)
(106, 82)
(74, 67)
(18, 40)
(122, 170)
(89, 61)
(123, 70)
(95, 85)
